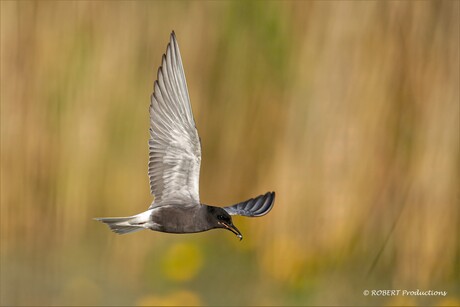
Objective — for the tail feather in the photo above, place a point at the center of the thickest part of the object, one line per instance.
(124, 225)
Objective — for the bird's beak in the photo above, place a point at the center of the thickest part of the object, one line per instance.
(233, 229)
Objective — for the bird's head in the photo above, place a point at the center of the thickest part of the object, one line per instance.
(221, 219)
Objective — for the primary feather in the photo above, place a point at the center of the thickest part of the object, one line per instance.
(253, 207)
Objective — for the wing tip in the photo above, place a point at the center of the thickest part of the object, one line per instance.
(172, 41)
(254, 207)
(270, 199)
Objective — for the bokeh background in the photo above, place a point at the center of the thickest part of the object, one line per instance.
(348, 110)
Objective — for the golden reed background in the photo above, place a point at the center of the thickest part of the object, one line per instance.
(348, 110)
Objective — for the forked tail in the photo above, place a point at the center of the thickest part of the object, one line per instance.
(124, 225)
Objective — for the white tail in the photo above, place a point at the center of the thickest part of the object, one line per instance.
(123, 225)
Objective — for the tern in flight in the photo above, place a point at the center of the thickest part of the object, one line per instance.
(174, 165)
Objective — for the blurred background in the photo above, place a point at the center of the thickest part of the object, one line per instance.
(348, 110)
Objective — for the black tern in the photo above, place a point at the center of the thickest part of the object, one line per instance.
(174, 165)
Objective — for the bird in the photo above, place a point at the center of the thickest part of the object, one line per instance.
(174, 165)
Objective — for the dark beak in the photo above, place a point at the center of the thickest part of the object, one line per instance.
(233, 229)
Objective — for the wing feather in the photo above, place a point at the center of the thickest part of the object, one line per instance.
(174, 144)
(253, 207)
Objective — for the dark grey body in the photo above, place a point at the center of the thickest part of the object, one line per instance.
(180, 219)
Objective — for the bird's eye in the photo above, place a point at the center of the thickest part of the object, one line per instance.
(223, 218)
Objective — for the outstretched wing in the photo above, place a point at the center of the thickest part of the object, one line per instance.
(253, 207)
(174, 144)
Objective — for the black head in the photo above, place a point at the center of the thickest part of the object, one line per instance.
(219, 218)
